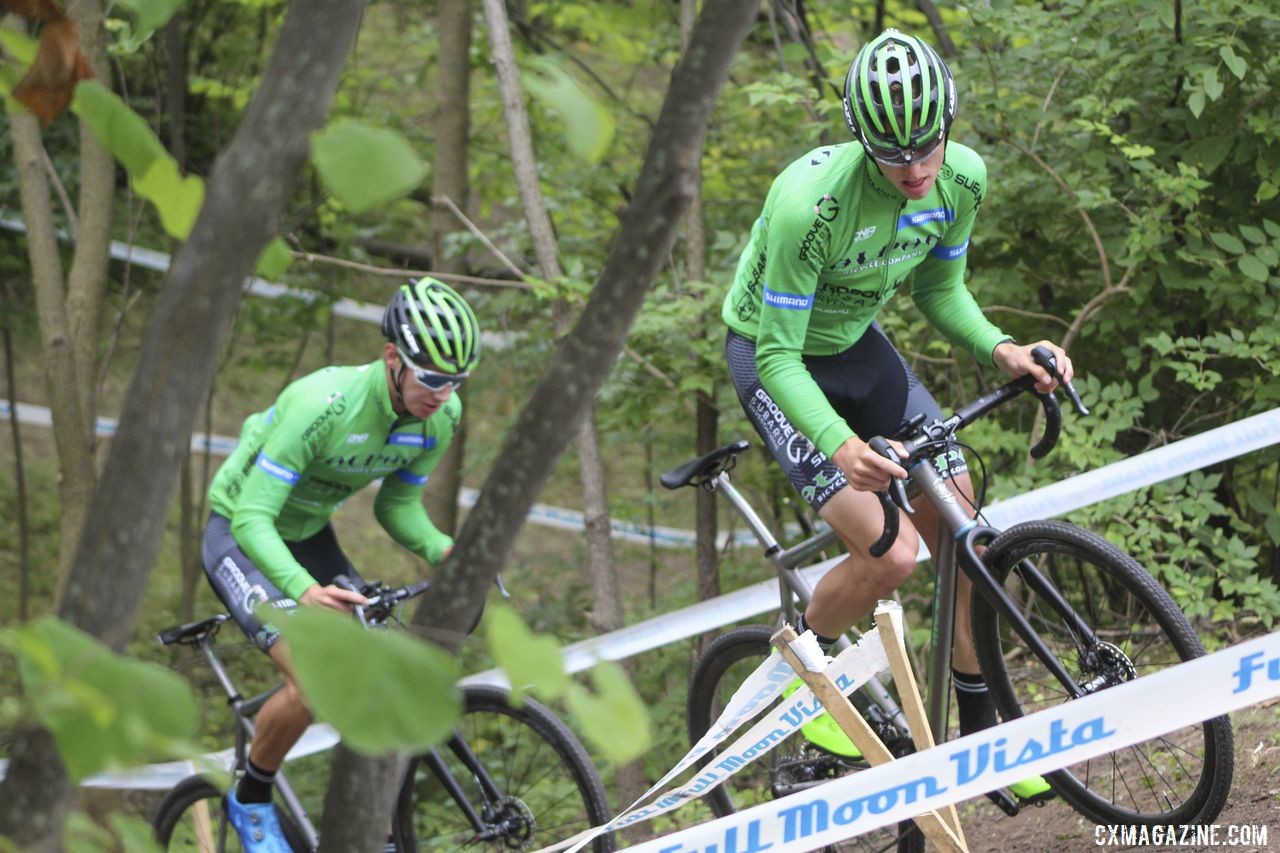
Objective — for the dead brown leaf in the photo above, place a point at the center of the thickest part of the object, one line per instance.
(51, 80)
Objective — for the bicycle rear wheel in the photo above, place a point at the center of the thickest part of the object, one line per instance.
(191, 818)
(1179, 778)
(794, 764)
(547, 788)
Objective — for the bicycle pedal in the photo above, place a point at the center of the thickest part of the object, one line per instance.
(1005, 801)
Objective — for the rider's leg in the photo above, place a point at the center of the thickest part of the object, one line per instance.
(279, 724)
(852, 588)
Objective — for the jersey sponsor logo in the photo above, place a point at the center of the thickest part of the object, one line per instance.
(812, 234)
(378, 464)
(921, 217)
(234, 581)
(335, 405)
(823, 156)
(799, 448)
(972, 185)
(275, 469)
(407, 476)
(789, 301)
(412, 439)
(765, 413)
(891, 253)
(864, 233)
(950, 253)
(358, 438)
(839, 294)
(827, 208)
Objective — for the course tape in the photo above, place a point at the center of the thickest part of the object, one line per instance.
(1048, 740)
(854, 667)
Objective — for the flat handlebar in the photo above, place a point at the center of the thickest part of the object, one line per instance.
(896, 496)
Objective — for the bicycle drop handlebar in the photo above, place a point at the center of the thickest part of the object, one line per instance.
(936, 435)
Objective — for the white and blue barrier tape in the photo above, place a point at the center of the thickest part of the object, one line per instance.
(1233, 678)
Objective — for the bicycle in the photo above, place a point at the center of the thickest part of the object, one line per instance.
(1059, 613)
(506, 779)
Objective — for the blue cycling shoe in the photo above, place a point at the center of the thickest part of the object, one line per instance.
(257, 825)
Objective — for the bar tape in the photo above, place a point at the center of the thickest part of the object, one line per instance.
(968, 767)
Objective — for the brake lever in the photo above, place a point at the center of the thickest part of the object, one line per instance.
(896, 488)
(1045, 359)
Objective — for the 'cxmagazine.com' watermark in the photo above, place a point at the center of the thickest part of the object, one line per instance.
(1246, 835)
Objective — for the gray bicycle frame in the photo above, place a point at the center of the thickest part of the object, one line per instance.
(244, 709)
(954, 524)
(793, 586)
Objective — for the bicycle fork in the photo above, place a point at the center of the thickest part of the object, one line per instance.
(485, 830)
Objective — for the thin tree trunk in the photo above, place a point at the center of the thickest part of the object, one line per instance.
(941, 37)
(251, 182)
(72, 425)
(452, 130)
(705, 413)
(19, 466)
(606, 609)
(562, 396)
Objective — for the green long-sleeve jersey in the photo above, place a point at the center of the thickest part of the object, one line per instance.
(834, 243)
(329, 435)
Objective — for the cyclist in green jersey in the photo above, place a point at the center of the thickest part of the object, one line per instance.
(269, 541)
(843, 228)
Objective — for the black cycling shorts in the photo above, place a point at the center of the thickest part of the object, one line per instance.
(869, 385)
(242, 587)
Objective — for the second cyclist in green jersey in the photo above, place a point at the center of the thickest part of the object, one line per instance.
(269, 546)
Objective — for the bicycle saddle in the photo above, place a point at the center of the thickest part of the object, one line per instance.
(704, 467)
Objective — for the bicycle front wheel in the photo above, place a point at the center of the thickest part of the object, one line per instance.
(1181, 777)
(509, 779)
(794, 764)
(191, 818)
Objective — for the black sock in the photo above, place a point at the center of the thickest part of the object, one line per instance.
(973, 701)
(255, 785)
(824, 643)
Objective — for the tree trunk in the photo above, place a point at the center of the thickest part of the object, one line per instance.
(251, 182)
(941, 37)
(72, 425)
(19, 466)
(706, 415)
(452, 130)
(563, 394)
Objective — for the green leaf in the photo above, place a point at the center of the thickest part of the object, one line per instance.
(588, 126)
(19, 45)
(1268, 255)
(1272, 525)
(1253, 234)
(383, 690)
(1254, 268)
(1212, 85)
(365, 166)
(274, 260)
(1227, 242)
(1267, 190)
(103, 710)
(120, 130)
(1271, 228)
(530, 660)
(177, 198)
(614, 718)
(151, 14)
(1196, 102)
(1233, 61)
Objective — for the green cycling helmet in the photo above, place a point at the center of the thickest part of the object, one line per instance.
(434, 326)
(899, 98)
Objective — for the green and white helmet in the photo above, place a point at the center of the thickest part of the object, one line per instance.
(899, 98)
(435, 327)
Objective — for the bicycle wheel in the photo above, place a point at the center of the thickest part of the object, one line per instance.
(191, 817)
(1179, 778)
(794, 764)
(547, 789)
